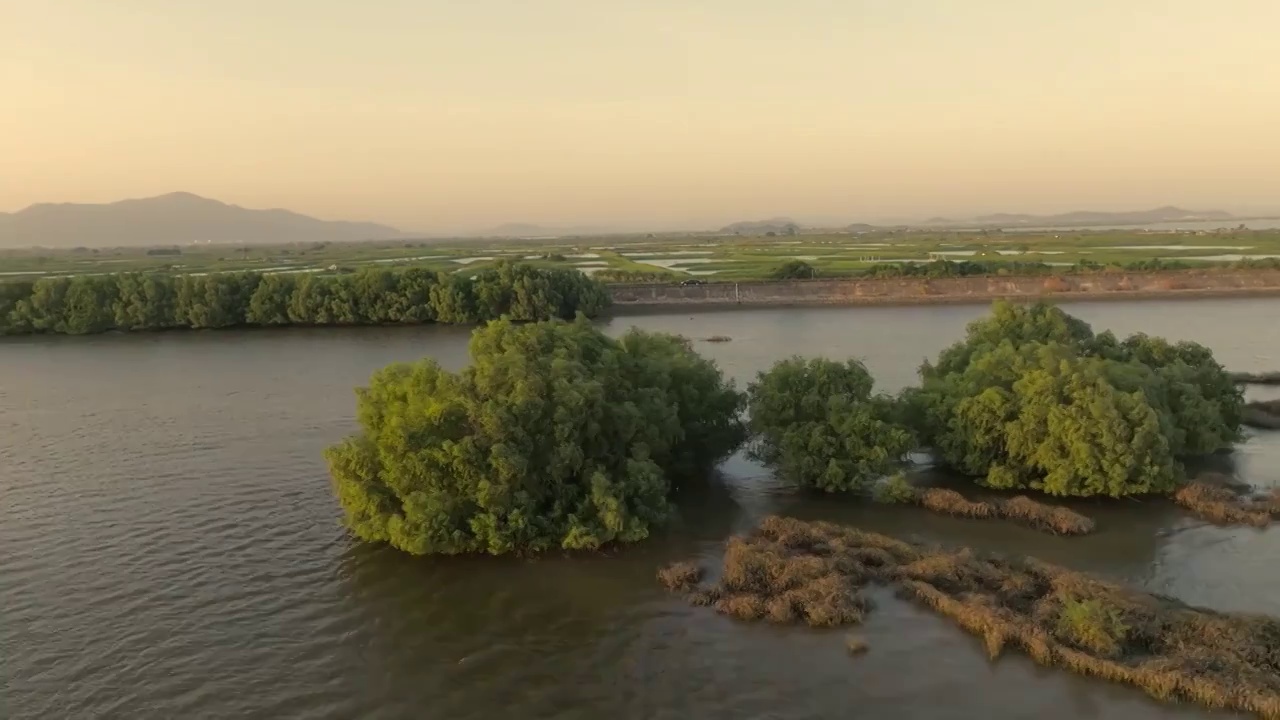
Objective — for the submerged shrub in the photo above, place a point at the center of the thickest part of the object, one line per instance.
(680, 576)
(896, 490)
(556, 436)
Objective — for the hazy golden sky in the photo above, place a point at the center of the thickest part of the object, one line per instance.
(435, 115)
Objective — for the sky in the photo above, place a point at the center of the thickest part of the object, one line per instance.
(445, 115)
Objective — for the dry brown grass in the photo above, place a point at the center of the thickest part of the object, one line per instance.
(784, 586)
(1021, 509)
(680, 576)
(1221, 505)
(950, 502)
(793, 571)
(1049, 518)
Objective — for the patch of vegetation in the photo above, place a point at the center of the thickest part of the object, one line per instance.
(1021, 509)
(680, 576)
(794, 270)
(1091, 626)
(950, 502)
(637, 276)
(895, 490)
(1048, 518)
(1211, 499)
(1058, 617)
(817, 423)
(555, 436)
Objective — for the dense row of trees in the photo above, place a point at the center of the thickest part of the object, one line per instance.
(799, 269)
(557, 436)
(152, 301)
(613, 275)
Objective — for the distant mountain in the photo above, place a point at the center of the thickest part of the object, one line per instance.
(532, 230)
(779, 225)
(174, 219)
(861, 228)
(1086, 217)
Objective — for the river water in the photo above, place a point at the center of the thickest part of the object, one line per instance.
(169, 548)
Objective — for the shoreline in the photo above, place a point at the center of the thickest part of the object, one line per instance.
(1158, 285)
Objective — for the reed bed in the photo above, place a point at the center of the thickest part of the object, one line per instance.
(1021, 509)
(1262, 414)
(791, 571)
(1220, 505)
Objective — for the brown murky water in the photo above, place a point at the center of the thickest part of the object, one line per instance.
(169, 548)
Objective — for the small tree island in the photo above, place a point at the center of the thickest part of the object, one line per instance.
(1032, 399)
(556, 436)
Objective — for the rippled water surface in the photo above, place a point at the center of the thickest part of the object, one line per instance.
(169, 548)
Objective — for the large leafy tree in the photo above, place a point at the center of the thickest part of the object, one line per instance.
(556, 436)
(1032, 399)
(818, 424)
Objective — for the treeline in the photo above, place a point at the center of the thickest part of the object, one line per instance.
(967, 268)
(85, 304)
(798, 269)
(612, 275)
(559, 436)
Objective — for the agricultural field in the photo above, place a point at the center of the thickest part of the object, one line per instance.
(672, 257)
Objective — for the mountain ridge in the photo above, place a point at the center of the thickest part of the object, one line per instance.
(1167, 213)
(177, 218)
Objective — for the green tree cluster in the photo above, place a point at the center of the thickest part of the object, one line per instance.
(794, 270)
(1031, 398)
(613, 275)
(555, 436)
(954, 268)
(84, 304)
(975, 268)
(818, 424)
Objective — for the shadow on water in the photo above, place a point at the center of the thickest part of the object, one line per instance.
(559, 635)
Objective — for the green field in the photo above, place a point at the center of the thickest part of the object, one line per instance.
(709, 257)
